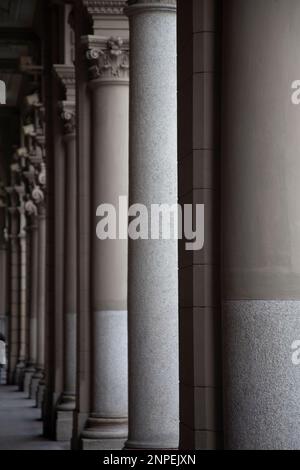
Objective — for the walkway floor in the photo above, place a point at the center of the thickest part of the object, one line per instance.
(20, 423)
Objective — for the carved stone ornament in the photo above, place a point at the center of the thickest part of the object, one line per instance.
(68, 117)
(108, 60)
(42, 176)
(105, 7)
(31, 208)
(149, 2)
(38, 195)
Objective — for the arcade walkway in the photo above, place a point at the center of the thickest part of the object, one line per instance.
(21, 427)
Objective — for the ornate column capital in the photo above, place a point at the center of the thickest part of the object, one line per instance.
(139, 6)
(38, 197)
(67, 110)
(31, 208)
(108, 59)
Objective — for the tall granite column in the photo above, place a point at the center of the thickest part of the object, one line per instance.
(153, 264)
(261, 224)
(33, 272)
(66, 405)
(38, 197)
(108, 62)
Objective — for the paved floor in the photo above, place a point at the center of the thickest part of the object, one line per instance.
(20, 423)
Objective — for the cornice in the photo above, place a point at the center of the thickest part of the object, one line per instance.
(66, 75)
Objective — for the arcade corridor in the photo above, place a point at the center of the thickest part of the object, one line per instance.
(127, 338)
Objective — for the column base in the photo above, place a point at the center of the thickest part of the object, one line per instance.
(67, 402)
(102, 444)
(28, 374)
(64, 426)
(35, 383)
(40, 394)
(132, 445)
(104, 434)
(65, 417)
(19, 373)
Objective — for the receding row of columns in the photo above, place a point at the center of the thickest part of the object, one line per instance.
(106, 372)
(117, 382)
(110, 379)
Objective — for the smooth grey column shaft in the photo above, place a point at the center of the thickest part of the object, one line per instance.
(110, 105)
(3, 272)
(3, 287)
(23, 301)
(33, 294)
(68, 398)
(41, 289)
(14, 294)
(153, 264)
(261, 224)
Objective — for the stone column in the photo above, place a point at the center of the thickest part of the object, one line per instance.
(38, 197)
(23, 287)
(33, 273)
(108, 62)
(3, 261)
(55, 241)
(261, 224)
(153, 264)
(14, 287)
(81, 26)
(66, 406)
(3, 284)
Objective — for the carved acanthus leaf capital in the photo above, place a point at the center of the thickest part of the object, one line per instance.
(67, 112)
(108, 59)
(31, 208)
(38, 195)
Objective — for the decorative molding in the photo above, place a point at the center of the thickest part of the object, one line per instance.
(105, 7)
(138, 6)
(108, 59)
(66, 75)
(151, 2)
